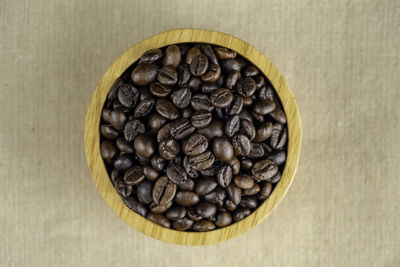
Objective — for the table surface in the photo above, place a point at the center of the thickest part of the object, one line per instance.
(342, 61)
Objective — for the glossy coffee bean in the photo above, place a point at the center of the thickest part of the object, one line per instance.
(246, 86)
(189, 168)
(118, 119)
(205, 186)
(128, 95)
(264, 107)
(164, 190)
(108, 150)
(151, 56)
(115, 174)
(181, 128)
(191, 54)
(216, 197)
(123, 162)
(241, 145)
(278, 137)
(144, 145)
(168, 148)
(246, 164)
(213, 73)
(223, 219)
(108, 132)
(202, 161)
(124, 146)
(199, 65)
(259, 80)
(230, 65)
(276, 178)
(201, 102)
(134, 175)
(182, 224)
(172, 56)
(112, 94)
(201, 118)
(229, 205)
(212, 171)
(208, 88)
(250, 71)
(122, 188)
(166, 109)
(187, 198)
(214, 129)
(144, 190)
(278, 115)
(195, 84)
(203, 226)
(167, 76)
(243, 181)
(221, 98)
(263, 132)
(209, 53)
(156, 121)
(224, 53)
(176, 212)
(256, 151)
(150, 173)
(159, 90)
(181, 98)
(266, 190)
(241, 213)
(264, 169)
(143, 108)
(205, 209)
(144, 74)
(278, 157)
(231, 79)
(176, 174)
(236, 106)
(164, 132)
(195, 145)
(159, 219)
(135, 205)
(132, 129)
(222, 149)
(232, 125)
(252, 191)
(158, 162)
(224, 175)
(106, 115)
(234, 193)
(235, 165)
(160, 208)
(188, 185)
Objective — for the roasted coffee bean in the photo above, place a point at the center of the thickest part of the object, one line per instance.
(159, 90)
(264, 169)
(247, 101)
(182, 224)
(134, 175)
(243, 181)
(231, 79)
(234, 193)
(199, 65)
(205, 186)
(203, 226)
(187, 113)
(201, 102)
(144, 74)
(230, 65)
(151, 55)
(166, 109)
(221, 98)
(181, 98)
(222, 149)
(191, 212)
(249, 202)
(260, 81)
(246, 86)
(246, 164)
(108, 132)
(278, 157)
(246, 115)
(108, 150)
(176, 212)
(276, 178)
(250, 71)
(160, 208)
(214, 129)
(112, 94)
(124, 146)
(150, 173)
(143, 108)
(195, 145)
(235, 165)
(144, 145)
(167, 76)
(236, 106)
(265, 190)
(106, 115)
(183, 74)
(176, 174)
(118, 119)
(213, 73)
(156, 121)
(172, 56)
(132, 129)
(257, 151)
(209, 53)
(263, 132)
(135, 205)
(223, 219)
(278, 137)
(123, 162)
(252, 191)
(212, 171)
(128, 95)
(195, 84)
(164, 191)
(189, 169)
(158, 162)
(122, 188)
(217, 196)
(181, 128)
(224, 175)
(187, 198)
(229, 205)
(202, 161)
(168, 148)
(224, 53)
(241, 144)
(159, 219)
(191, 54)
(114, 175)
(164, 132)
(208, 88)
(187, 186)
(201, 118)
(144, 190)
(241, 213)
(232, 125)
(278, 115)
(205, 209)
(264, 107)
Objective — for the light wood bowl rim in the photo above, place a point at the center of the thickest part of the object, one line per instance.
(97, 167)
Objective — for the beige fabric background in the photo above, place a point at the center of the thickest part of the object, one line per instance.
(341, 59)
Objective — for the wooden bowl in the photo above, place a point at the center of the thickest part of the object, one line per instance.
(97, 167)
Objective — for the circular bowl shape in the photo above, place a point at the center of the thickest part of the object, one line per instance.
(98, 169)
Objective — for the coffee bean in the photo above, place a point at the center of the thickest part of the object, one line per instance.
(223, 219)
(172, 56)
(235, 165)
(236, 106)
(191, 54)
(124, 146)
(276, 178)
(232, 125)
(132, 129)
(278, 115)
(122, 188)
(144, 74)
(201, 102)
(202, 161)
(247, 101)
(191, 213)
(176, 212)
(222, 149)
(234, 193)
(263, 132)
(214, 129)
(167, 109)
(135, 205)
(250, 71)
(151, 56)
(203, 225)
(108, 150)
(167, 76)
(246, 164)
(195, 84)
(108, 132)
(195, 145)
(241, 213)
(224, 175)
(229, 205)
(249, 202)
(141, 160)
(144, 190)
(231, 79)
(168, 148)
(150, 173)
(144, 145)
(176, 174)
(112, 94)
(159, 219)
(265, 190)
(256, 151)
(245, 115)
(205, 186)
(158, 162)
(246, 86)
(221, 98)
(128, 95)
(143, 108)
(164, 132)
(216, 197)
(181, 128)
(264, 169)
(106, 115)
(243, 181)
(182, 224)
(164, 191)
(208, 88)
(188, 185)
(247, 128)
(209, 53)
(159, 90)
(264, 107)
(199, 65)
(134, 175)
(224, 53)
(114, 175)
(241, 144)
(187, 198)
(259, 80)
(278, 137)
(230, 65)
(156, 121)
(252, 191)
(205, 209)
(187, 113)
(201, 118)
(160, 208)
(189, 168)
(118, 119)
(123, 162)
(181, 98)
(278, 157)
(213, 73)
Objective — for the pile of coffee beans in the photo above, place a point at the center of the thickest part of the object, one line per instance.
(193, 136)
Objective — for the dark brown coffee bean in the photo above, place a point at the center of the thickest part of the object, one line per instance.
(108, 132)
(223, 219)
(203, 226)
(183, 74)
(201, 118)
(144, 74)
(122, 188)
(214, 129)
(278, 115)
(209, 53)
(159, 219)
(279, 157)
(187, 186)
(202, 161)
(134, 175)
(247, 128)
(201, 102)
(172, 56)
(187, 198)
(276, 178)
(208, 88)
(264, 169)
(176, 212)
(144, 190)
(151, 56)
(205, 209)
(191, 213)
(150, 173)
(106, 115)
(241, 145)
(159, 90)
(241, 213)
(205, 186)
(229, 205)
(246, 86)
(250, 71)
(164, 191)
(195, 84)
(236, 106)
(108, 150)
(243, 181)
(115, 174)
(224, 175)
(132, 129)
(222, 149)
(265, 190)
(231, 79)
(246, 164)
(181, 128)
(181, 98)
(182, 224)
(166, 109)
(144, 146)
(191, 54)
(232, 125)
(167, 76)
(195, 145)
(216, 197)
(224, 53)
(112, 94)
(143, 108)
(221, 98)
(158, 162)
(247, 101)
(189, 169)
(168, 148)
(199, 65)
(257, 151)
(252, 191)
(156, 121)
(187, 113)
(278, 137)
(260, 81)
(123, 162)
(264, 107)
(118, 119)
(234, 193)
(245, 115)
(230, 65)
(128, 95)
(160, 208)
(141, 160)
(263, 132)
(176, 174)
(213, 73)
(135, 205)
(164, 132)
(235, 164)
(124, 146)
